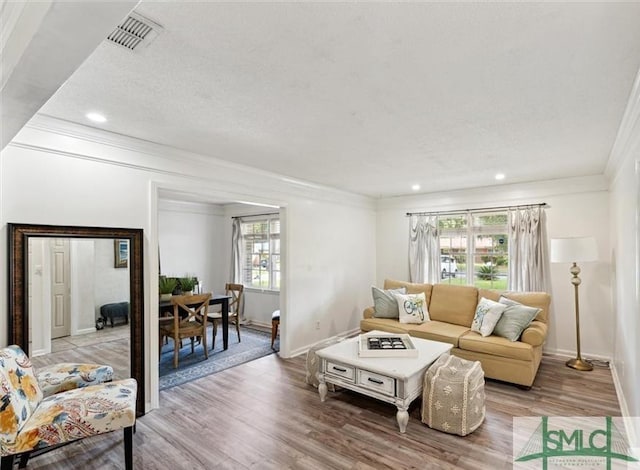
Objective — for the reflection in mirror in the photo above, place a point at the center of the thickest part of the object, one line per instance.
(79, 302)
(20, 290)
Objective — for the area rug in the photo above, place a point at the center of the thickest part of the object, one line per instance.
(255, 344)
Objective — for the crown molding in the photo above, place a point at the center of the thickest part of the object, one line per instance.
(628, 137)
(171, 205)
(151, 156)
(498, 195)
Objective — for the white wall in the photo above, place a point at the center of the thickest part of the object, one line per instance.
(81, 176)
(578, 207)
(111, 284)
(82, 285)
(191, 242)
(624, 170)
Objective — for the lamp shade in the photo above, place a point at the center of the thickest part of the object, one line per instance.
(571, 250)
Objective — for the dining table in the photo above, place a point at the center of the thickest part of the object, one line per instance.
(216, 299)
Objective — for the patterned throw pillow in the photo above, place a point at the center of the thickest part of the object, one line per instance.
(412, 308)
(384, 303)
(487, 315)
(515, 319)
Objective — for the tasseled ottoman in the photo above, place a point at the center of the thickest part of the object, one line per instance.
(453, 395)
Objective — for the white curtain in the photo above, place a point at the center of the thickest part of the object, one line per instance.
(424, 249)
(528, 260)
(236, 252)
(236, 259)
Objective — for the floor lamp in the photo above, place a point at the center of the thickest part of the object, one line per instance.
(572, 250)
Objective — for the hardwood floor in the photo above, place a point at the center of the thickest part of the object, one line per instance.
(262, 415)
(106, 346)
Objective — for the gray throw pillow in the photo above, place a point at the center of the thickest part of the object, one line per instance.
(385, 304)
(514, 319)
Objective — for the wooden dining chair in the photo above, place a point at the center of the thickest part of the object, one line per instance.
(189, 321)
(236, 292)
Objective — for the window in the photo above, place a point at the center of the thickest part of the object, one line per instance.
(261, 248)
(474, 249)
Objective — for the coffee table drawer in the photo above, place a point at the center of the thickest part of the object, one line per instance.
(341, 370)
(377, 382)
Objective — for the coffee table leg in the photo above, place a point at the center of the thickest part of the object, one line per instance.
(322, 387)
(403, 418)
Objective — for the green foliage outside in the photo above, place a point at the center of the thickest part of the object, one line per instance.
(498, 284)
(487, 273)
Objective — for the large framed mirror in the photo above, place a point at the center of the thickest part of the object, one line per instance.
(19, 236)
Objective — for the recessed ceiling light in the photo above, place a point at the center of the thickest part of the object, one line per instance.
(416, 187)
(500, 176)
(95, 117)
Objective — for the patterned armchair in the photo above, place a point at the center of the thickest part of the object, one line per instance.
(31, 423)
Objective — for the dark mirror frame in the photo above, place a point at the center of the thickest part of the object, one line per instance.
(18, 295)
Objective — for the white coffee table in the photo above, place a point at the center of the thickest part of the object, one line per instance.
(396, 380)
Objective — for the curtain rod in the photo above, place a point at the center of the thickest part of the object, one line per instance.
(479, 209)
(254, 215)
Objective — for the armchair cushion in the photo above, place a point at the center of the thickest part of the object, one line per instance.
(68, 376)
(77, 414)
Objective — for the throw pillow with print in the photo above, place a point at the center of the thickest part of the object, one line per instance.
(412, 308)
(488, 312)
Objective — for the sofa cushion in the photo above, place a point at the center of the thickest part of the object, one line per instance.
(453, 304)
(385, 324)
(385, 304)
(438, 331)
(496, 346)
(410, 287)
(539, 300)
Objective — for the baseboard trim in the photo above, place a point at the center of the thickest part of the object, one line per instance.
(631, 424)
(565, 353)
(84, 331)
(39, 352)
(256, 323)
(304, 349)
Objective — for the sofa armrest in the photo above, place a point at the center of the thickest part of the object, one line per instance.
(368, 312)
(535, 333)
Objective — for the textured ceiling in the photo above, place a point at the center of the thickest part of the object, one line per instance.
(373, 98)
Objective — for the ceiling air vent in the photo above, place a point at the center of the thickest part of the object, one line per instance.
(135, 30)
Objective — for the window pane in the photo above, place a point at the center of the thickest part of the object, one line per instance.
(453, 257)
(261, 241)
(491, 255)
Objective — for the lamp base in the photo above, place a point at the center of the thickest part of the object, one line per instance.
(579, 364)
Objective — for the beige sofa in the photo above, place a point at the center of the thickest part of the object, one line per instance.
(452, 308)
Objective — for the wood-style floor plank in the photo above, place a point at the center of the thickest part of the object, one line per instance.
(261, 415)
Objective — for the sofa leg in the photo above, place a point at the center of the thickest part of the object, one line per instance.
(6, 463)
(128, 448)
